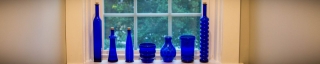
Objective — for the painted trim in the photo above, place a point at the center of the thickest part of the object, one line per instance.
(230, 31)
(226, 41)
(75, 42)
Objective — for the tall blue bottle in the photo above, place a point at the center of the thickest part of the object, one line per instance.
(112, 50)
(168, 52)
(129, 47)
(204, 35)
(97, 36)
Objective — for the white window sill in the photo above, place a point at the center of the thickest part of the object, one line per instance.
(154, 62)
(121, 55)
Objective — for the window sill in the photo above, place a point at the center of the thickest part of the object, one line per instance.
(121, 55)
(154, 62)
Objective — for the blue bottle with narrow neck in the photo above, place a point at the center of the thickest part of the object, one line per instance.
(204, 35)
(129, 47)
(97, 36)
(168, 52)
(112, 50)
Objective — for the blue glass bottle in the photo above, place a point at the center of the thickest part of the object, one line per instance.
(147, 52)
(187, 48)
(112, 50)
(97, 36)
(168, 52)
(129, 47)
(204, 35)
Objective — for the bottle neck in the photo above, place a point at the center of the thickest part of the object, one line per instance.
(204, 10)
(168, 40)
(129, 32)
(97, 9)
(112, 32)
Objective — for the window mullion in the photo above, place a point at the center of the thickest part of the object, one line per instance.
(170, 17)
(135, 26)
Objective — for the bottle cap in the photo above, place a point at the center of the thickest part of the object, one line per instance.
(129, 28)
(97, 2)
(112, 28)
(204, 2)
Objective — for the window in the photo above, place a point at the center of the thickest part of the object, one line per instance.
(151, 20)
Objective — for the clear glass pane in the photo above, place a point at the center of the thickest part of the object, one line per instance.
(120, 25)
(185, 25)
(152, 29)
(118, 6)
(186, 6)
(152, 6)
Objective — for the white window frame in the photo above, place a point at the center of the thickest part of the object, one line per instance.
(224, 14)
(135, 15)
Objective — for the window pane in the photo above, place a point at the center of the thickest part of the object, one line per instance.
(186, 6)
(118, 6)
(185, 25)
(152, 29)
(120, 25)
(152, 6)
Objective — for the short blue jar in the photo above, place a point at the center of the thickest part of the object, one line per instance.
(147, 52)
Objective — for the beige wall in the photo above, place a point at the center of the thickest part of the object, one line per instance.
(283, 31)
(32, 32)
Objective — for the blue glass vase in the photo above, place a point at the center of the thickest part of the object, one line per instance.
(112, 50)
(168, 52)
(204, 35)
(129, 47)
(187, 48)
(147, 52)
(97, 36)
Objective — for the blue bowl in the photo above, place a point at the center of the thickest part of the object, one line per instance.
(147, 52)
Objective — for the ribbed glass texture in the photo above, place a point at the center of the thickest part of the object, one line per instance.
(147, 52)
(204, 35)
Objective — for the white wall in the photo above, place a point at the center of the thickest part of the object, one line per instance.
(284, 31)
(32, 32)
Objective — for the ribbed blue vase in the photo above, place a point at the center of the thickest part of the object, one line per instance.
(187, 43)
(168, 52)
(112, 50)
(204, 35)
(97, 36)
(129, 47)
(147, 52)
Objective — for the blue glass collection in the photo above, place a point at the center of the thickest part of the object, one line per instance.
(147, 52)
(168, 52)
(129, 47)
(97, 36)
(187, 43)
(112, 50)
(204, 35)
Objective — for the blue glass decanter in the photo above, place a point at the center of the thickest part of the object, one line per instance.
(97, 36)
(168, 52)
(112, 50)
(204, 35)
(129, 47)
(187, 48)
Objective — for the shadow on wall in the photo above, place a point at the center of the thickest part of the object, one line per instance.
(282, 32)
